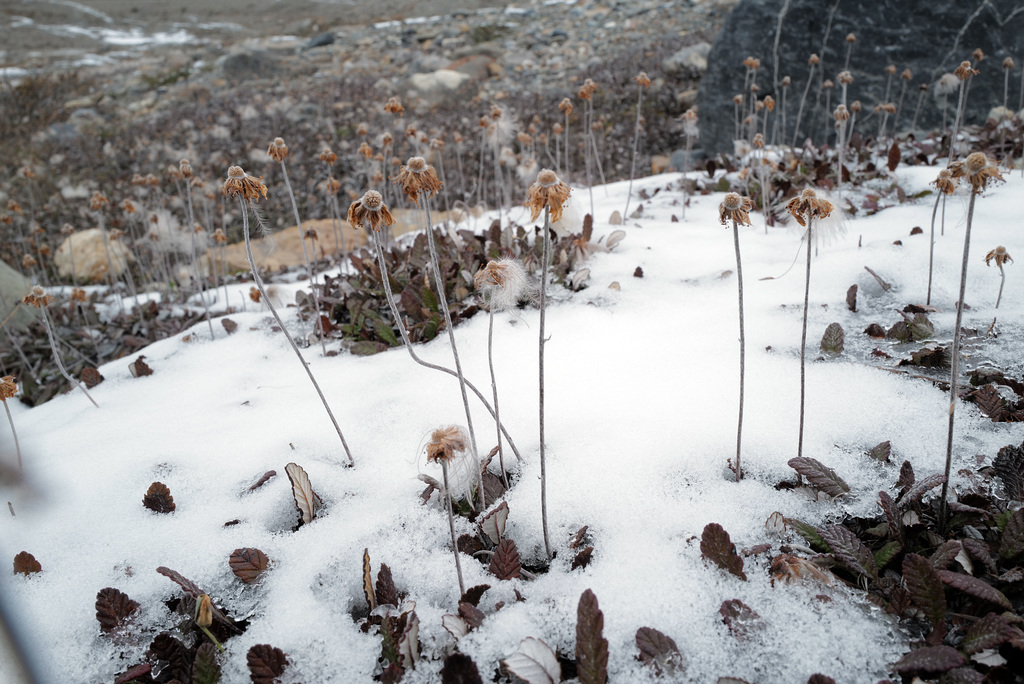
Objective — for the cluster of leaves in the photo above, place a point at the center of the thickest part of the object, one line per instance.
(959, 589)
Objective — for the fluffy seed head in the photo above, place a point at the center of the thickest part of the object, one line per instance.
(502, 283)
(444, 442)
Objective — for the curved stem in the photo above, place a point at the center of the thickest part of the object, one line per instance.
(636, 141)
(1002, 281)
(195, 264)
(60, 363)
(287, 335)
(955, 370)
(305, 256)
(543, 305)
(743, 342)
(451, 526)
(494, 394)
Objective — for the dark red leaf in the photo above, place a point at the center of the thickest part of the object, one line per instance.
(906, 476)
(473, 594)
(658, 651)
(820, 476)
(248, 564)
(138, 673)
(386, 594)
(229, 325)
(266, 663)
(91, 377)
(979, 551)
(114, 609)
(505, 563)
(139, 368)
(26, 564)
(190, 587)
(175, 657)
(158, 498)
(473, 616)
(929, 660)
(591, 646)
(925, 587)
(1009, 467)
(820, 679)
(849, 549)
(582, 559)
(991, 403)
(205, 668)
(990, 631)
(263, 480)
(921, 487)
(894, 157)
(945, 554)
(1013, 536)
(851, 298)
(741, 619)
(975, 587)
(459, 668)
(716, 547)
(578, 540)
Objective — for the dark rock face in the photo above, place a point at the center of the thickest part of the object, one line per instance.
(244, 66)
(929, 37)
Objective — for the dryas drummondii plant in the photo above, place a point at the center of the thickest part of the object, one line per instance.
(372, 213)
(420, 182)
(39, 299)
(548, 194)
(247, 190)
(443, 445)
(805, 209)
(642, 81)
(736, 210)
(502, 283)
(945, 184)
(979, 170)
(8, 388)
(1000, 256)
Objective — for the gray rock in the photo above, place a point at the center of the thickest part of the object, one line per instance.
(692, 59)
(320, 40)
(248, 65)
(443, 85)
(930, 37)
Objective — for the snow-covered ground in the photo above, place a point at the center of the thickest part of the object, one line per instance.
(641, 419)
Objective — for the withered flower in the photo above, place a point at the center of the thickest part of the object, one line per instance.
(241, 184)
(642, 79)
(332, 185)
(978, 169)
(436, 144)
(907, 74)
(813, 59)
(327, 155)
(410, 132)
(151, 180)
(44, 249)
(586, 90)
(565, 106)
(891, 69)
(28, 261)
(964, 71)
(786, 81)
(978, 55)
(386, 140)
(758, 141)
(98, 201)
(737, 99)
(769, 102)
(14, 206)
(889, 108)
(254, 294)
(362, 128)
(416, 176)
(185, 168)
(548, 191)
(502, 282)
(735, 208)
(5, 219)
(827, 83)
(204, 611)
(173, 172)
(752, 63)
(999, 255)
(37, 298)
(850, 38)
(371, 209)
(807, 206)
(78, 295)
(365, 150)
(841, 113)
(845, 78)
(8, 388)
(856, 106)
(310, 234)
(557, 128)
(68, 229)
(394, 106)
(277, 150)
(1008, 63)
(219, 237)
(128, 206)
(444, 442)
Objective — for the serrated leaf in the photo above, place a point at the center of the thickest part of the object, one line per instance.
(386, 593)
(187, 585)
(820, 679)
(894, 157)
(175, 656)
(925, 587)
(473, 616)
(409, 642)
(991, 631)
(591, 646)
(205, 668)
(455, 625)
(921, 328)
(833, 340)
(114, 609)
(534, 663)
(582, 558)
(907, 478)
(659, 651)
(975, 587)
(851, 298)
(979, 551)
(26, 564)
(991, 403)
(266, 663)
(263, 480)
(810, 533)
(929, 660)
(248, 564)
(493, 524)
(892, 516)
(850, 550)
(881, 452)
(505, 563)
(741, 619)
(385, 333)
(820, 476)
(474, 594)
(921, 487)
(158, 498)
(302, 492)
(945, 554)
(459, 668)
(1009, 467)
(717, 547)
(368, 593)
(885, 554)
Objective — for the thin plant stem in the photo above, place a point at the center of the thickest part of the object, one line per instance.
(636, 142)
(917, 110)
(439, 280)
(743, 342)
(17, 448)
(382, 265)
(494, 393)
(60, 363)
(305, 256)
(931, 248)
(451, 526)
(543, 306)
(195, 264)
(800, 109)
(954, 382)
(280, 323)
(956, 122)
(803, 340)
(1002, 281)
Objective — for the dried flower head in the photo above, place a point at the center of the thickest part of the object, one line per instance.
(906, 74)
(386, 140)
(173, 172)
(78, 295)
(690, 121)
(444, 442)
(327, 156)
(587, 89)
(735, 208)
(371, 209)
(737, 99)
(999, 255)
(807, 207)
(410, 132)
(496, 112)
(850, 38)
(152, 181)
(642, 79)
(758, 141)
(964, 71)
(769, 102)
(29, 261)
(241, 184)
(752, 63)
(416, 177)
(977, 55)
(978, 169)
(332, 185)
(278, 150)
(786, 81)
(889, 108)
(565, 106)
(1008, 63)
(845, 78)
(754, 88)
(394, 106)
(502, 283)
(44, 249)
(891, 69)
(14, 206)
(204, 611)
(5, 219)
(254, 294)
(67, 229)
(128, 206)
(550, 192)
(98, 201)
(310, 234)
(856, 106)
(185, 168)
(8, 388)
(219, 237)
(362, 128)
(37, 298)
(827, 83)
(813, 59)
(841, 113)
(365, 150)
(436, 144)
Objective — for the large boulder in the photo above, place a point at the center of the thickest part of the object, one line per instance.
(90, 256)
(930, 37)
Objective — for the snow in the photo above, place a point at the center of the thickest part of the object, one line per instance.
(641, 393)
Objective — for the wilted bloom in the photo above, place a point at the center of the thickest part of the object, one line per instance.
(278, 150)
(891, 69)
(393, 106)
(28, 261)
(735, 208)
(219, 237)
(98, 200)
(78, 295)
(814, 59)
(1008, 63)
(807, 207)
(444, 442)
(964, 71)
(642, 79)
(850, 38)
(978, 169)
(565, 106)
(37, 298)
(907, 74)
(502, 283)
(786, 81)
(362, 128)
(769, 102)
(365, 150)
(241, 184)
(185, 168)
(416, 176)
(371, 209)
(8, 388)
(327, 155)
(999, 255)
(255, 295)
(548, 191)
(68, 229)
(841, 113)
(845, 78)
(204, 611)
(752, 63)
